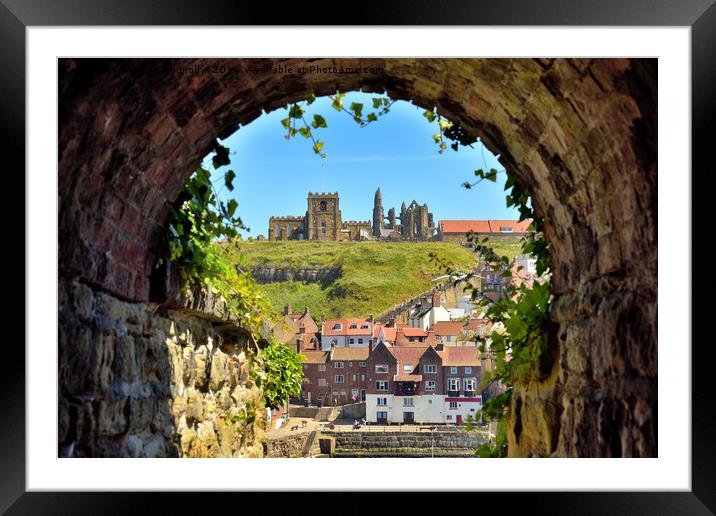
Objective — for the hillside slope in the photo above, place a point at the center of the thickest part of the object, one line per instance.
(375, 275)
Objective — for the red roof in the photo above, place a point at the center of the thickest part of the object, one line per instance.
(460, 356)
(345, 329)
(413, 332)
(407, 355)
(483, 226)
(447, 327)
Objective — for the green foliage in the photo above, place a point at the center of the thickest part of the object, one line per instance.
(202, 240)
(279, 374)
(297, 112)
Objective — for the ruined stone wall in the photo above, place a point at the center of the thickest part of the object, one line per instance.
(292, 446)
(139, 381)
(270, 274)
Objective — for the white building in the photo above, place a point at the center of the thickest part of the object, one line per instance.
(346, 333)
(426, 316)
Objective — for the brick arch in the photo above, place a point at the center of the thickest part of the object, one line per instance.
(580, 134)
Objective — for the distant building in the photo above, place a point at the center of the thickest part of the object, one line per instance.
(335, 377)
(416, 221)
(428, 313)
(322, 221)
(422, 384)
(346, 333)
(297, 330)
(457, 230)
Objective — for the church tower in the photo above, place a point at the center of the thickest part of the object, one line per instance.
(378, 216)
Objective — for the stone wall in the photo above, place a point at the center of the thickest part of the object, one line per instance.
(441, 439)
(272, 273)
(353, 411)
(291, 446)
(140, 380)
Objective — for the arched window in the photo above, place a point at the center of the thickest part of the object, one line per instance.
(323, 227)
(323, 205)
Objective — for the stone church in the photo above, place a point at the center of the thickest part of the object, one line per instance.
(322, 221)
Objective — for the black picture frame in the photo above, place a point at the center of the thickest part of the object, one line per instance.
(17, 15)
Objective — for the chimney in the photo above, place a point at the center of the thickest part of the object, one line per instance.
(391, 322)
(436, 299)
(286, 309)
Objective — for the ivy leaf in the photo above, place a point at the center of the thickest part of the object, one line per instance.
(318, 121)
(231, 207)
(310, 100)
(372, 117)
(386, 101)
(305, 132)
(318, 146)
(295, 111)
(221, 157)
(376, 103)
(357, 108)
(229, 179)
(286, 122)
(437, 138)
(444, 124)
(491, 175)
(430, 116)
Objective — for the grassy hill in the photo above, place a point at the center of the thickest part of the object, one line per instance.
(375, 275)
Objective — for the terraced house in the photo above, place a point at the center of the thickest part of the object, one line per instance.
(422, 384)
(334, 377)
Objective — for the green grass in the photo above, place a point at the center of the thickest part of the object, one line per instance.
(376, 275)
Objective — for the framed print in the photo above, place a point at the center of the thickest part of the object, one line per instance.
(350, 299)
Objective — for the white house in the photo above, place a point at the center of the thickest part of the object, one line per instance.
(348, 333)
(426, 316)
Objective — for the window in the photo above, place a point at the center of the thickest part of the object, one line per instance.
(453, 405)
(362, 378)
(351, 341)
(322, 382)
(381, 368)
(339, 378)
(322, 367)
(353, 326)
(338, 365)
(381, 385)
(382, 402)
(430, 385)
(381, 415)
(468, 370)
(430, 368)
(407, 368)
(364, 326)
(354, 378)
(337, 326)
(350, 364)
(449, 417)
(505, 230)
(360, 341)
(361, 364)
(453, 384)
(354, 393)
(323, 208)
(470, 384)
(449, 338)
(453, 370)
(407, 402)
(323, 228)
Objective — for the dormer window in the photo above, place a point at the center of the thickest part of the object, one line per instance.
(337, 326)
(353, 326)
(505, 230)
(364, 327)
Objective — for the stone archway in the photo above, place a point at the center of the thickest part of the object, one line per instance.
(580, 134)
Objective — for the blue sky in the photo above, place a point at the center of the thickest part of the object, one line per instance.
(396, 153)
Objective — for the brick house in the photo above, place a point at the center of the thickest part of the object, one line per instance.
(462, 374)
(407, 385)
(335, 377)
(298, 330)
